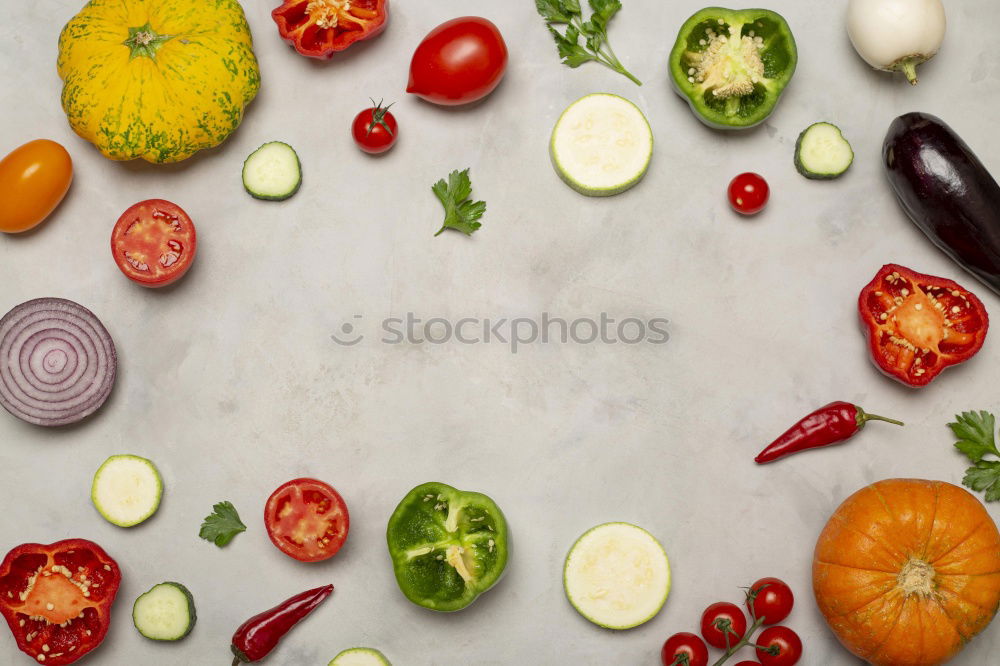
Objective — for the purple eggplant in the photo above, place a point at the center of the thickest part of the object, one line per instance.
(947, 192)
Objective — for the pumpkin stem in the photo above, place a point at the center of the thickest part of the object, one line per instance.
(916, 577)
(144, 41)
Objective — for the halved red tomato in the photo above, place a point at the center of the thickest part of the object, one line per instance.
(154, 242)
(917, 325)
(307, 519)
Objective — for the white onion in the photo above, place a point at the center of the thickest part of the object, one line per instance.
(57, 362)
(896, 35)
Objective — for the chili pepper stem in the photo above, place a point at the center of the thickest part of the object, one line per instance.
(864, 417)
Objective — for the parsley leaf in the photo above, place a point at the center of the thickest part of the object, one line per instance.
(222, 525)
(555, 11)
(594, 32)
(985, 476)
(460, 213)
(976, 440)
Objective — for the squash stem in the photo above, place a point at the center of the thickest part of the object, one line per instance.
(144, 41)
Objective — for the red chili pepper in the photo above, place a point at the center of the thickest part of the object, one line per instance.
(57, 598)
(827, 425)
(256, 637)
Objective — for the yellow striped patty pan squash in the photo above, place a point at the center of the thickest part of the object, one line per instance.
(157, 79)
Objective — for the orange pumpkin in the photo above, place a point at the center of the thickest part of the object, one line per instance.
(906, 572)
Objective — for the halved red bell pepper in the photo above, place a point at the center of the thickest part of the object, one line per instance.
(320, 28)
(917, 325)
(57, 598)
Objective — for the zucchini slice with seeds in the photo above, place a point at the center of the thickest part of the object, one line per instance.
(126, 490)
(617, 576)
(360, 657)
(822, 152)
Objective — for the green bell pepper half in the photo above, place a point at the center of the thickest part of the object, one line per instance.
(447, 546)
(733, 83)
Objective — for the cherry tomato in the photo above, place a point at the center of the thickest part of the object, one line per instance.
(458, 62)
(154, 243)
(375, 129)
(748, 663)
(307, 520)
(684, 644)
(771, 599)
(786, 642)
(34, 178)
(748, 193)
(722, 621)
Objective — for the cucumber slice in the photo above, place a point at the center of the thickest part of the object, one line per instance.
(617, 576)
(822, 152)
(272, 172)
(165, 613)
(601, 145)
(126, 490)
(360, 657)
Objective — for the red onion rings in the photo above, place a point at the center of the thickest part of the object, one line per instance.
(57, 362)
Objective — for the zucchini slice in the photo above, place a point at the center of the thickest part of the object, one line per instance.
(165, 613)
(617, 576)
(272, 172)
(360, 657)
(126, 490)
(822, 152)
(601, 145)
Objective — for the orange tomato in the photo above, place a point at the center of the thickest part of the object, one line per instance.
(33, 180)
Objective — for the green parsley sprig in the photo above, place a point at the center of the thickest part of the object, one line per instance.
(460, 213)
(976, 440)
(222, 525)
(594, 32)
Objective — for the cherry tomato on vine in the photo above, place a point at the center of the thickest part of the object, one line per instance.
(787, 643)
(748, 193)
(771, 599)
(748, 663)
(458, 62)
(722, 620)
(307, 519)
(684, 649)
(375, 130)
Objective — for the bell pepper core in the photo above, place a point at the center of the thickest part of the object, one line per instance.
(447, 546)
(57, 598)
(320, 28)
(732, 65)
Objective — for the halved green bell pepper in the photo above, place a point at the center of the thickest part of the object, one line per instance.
(732, 65)
(447, 546)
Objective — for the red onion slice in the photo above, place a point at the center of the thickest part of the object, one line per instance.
(57, 362)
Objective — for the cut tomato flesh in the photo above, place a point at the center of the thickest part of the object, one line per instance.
(307, 519)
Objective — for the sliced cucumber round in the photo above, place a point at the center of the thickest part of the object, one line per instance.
(601, 145)
(617, 576)
(126, 490)
(822, 152)
(360, 657)
(272, 172)
(165, 613)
